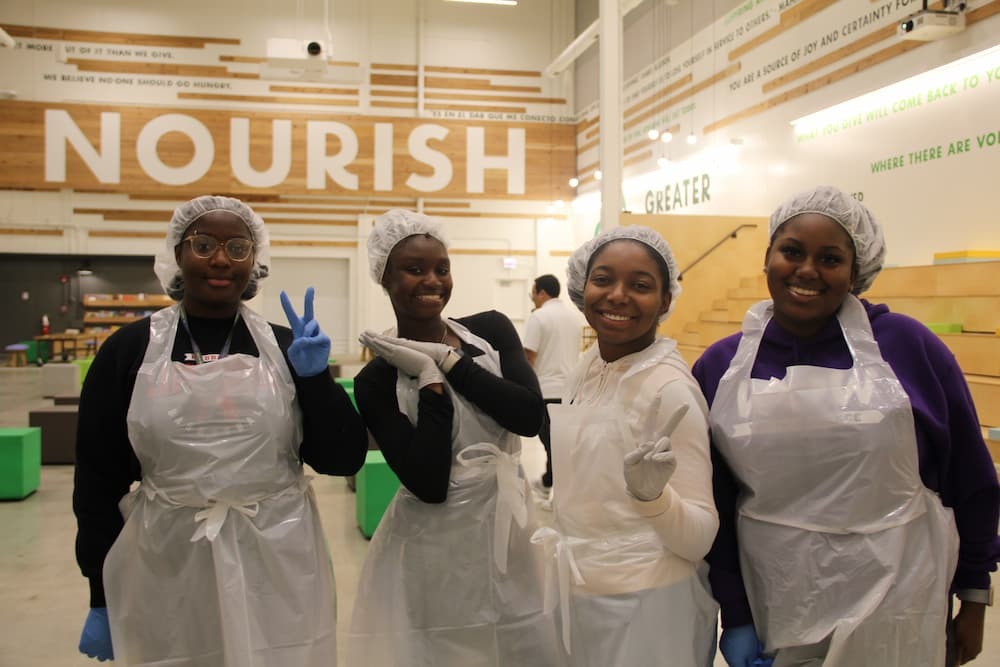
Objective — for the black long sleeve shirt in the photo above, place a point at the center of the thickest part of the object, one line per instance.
(421, 455)
(334, 440)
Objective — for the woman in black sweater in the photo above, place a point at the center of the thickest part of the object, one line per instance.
(220, 557)
(451, 578)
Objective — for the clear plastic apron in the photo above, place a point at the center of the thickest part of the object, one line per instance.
(222, 559)
(840, 541)
(631, 601)
(457, 584)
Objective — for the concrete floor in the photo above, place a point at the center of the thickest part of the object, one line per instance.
(43, 597)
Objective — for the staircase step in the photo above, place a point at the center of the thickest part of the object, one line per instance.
(985, 390)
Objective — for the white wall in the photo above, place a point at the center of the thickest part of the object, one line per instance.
(943, 205)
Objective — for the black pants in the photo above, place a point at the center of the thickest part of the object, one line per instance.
(545, 435)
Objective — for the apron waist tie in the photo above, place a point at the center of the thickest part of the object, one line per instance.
(512, 501)
(558, 587)
(212, 515)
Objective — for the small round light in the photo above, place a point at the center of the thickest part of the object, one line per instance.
(692, 140)
(598, 175)
(666, 137)
(653, 134)
(573, 182)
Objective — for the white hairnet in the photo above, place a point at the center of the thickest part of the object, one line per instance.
(165, 263)
(392, 227)
(849, 213)
(579, 261)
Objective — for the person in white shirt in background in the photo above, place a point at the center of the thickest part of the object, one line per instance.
(552, 339)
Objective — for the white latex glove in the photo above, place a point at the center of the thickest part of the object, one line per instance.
(650, 466)
(436, 351)
(412, 362)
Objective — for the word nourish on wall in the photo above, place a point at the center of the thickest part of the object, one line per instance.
(86, 146)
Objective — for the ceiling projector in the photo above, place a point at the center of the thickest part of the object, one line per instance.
(929, 25)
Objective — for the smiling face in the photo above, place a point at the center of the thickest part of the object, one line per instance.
(810, 271)
(418, 279)
(625, 294)
(213, 286)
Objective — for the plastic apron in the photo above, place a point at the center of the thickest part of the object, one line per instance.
(456, 584)
(222, 560)
(840, 541)
(631, 601)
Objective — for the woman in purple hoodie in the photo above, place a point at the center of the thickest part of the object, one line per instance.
(854, 488)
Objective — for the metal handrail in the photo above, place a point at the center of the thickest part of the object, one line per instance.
(730, 235)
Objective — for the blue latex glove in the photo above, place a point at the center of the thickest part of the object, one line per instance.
(95, 640)
(741, 648)
(310, 348)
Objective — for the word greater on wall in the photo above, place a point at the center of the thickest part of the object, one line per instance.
(686, 192)
(154, 150)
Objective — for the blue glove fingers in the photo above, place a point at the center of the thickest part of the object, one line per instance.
(95, 640)
(308, 315)
(311, 329)
(293, 319)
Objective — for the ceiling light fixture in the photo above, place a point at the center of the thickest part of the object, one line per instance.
(667, 136)
(653, 134)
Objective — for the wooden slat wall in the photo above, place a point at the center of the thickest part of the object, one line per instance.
(123, 38)
(549, 157)
(455, 91)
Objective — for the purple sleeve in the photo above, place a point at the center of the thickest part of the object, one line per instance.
(954, 460)
(724, 574)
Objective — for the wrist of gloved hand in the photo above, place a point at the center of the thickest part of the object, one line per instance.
(437, 351)
(741, 647)
(95, 639)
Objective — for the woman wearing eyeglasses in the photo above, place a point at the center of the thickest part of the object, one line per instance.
(217, 557)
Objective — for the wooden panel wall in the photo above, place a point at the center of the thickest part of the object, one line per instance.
(549, 163)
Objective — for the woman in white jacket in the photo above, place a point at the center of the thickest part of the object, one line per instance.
(634, 515)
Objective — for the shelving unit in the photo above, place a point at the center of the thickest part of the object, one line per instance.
(106, 312)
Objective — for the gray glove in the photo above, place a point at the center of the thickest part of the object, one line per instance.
(409, 361)
(436, 351)
(650, 466)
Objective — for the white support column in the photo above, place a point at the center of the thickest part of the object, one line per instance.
(610, 88)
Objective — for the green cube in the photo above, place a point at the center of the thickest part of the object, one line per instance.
(375, 486)
(84, 366)
(20, 461)
(945, 327)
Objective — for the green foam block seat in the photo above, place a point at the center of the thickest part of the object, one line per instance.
(375, 486)
(20, 462)
(945, 327)
(84, 366)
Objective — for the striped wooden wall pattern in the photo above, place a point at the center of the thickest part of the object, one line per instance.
(549, 153)
(393, 86)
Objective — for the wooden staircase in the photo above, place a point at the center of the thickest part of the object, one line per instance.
(966, 294)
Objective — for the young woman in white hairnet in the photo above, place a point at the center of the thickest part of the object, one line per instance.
(217, 557)
(451, 579)
(632, 498)
(846, 449)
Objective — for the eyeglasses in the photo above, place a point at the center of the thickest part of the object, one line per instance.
(205, 246)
